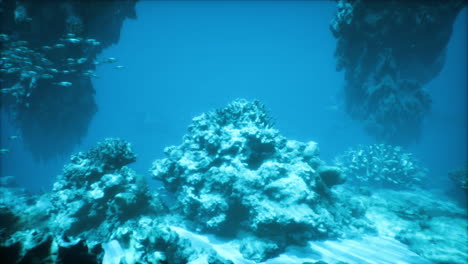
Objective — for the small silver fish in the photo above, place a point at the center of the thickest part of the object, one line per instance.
(46, 76)
(81, 60)
(12, 70)
(119, 67)
(12, 137)
(46, 61)
(110, 60)
(70, 35)
(74, 40)
(4, 37)
(64, 84)
(3, 151)
(59, 45)
(46, 47)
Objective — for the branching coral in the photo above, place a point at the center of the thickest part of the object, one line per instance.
(381, 165)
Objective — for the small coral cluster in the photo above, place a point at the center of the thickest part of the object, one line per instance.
(234, 174)
(381, 165)
(95, 186)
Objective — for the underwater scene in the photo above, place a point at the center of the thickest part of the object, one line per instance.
(226, 132)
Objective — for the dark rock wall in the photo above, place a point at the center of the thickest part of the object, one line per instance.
(389, 50)
(48, 52)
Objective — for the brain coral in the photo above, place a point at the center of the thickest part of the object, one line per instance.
(235, 173)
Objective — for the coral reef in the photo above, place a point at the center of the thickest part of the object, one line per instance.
(389, 50)
(96, 191)
(47, 62)
(242, 194)
(381, 165)
(98, 212)
(236, 175)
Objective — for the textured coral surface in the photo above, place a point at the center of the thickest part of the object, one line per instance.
(238, 192)
(235, 173)
(98, 211)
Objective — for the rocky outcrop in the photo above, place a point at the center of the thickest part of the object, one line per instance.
(389, 50)
(47, 62)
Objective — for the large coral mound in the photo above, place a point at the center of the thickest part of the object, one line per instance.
(234, 174)
(389, 50)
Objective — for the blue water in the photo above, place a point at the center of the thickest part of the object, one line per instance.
(182, 59)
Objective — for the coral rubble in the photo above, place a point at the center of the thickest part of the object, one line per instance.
(235, 174)
(431, 226)
(389, 50)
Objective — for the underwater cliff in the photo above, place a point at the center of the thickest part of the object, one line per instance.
(49, 52)
(384, 50)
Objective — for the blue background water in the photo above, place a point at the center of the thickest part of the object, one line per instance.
(182, 59)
